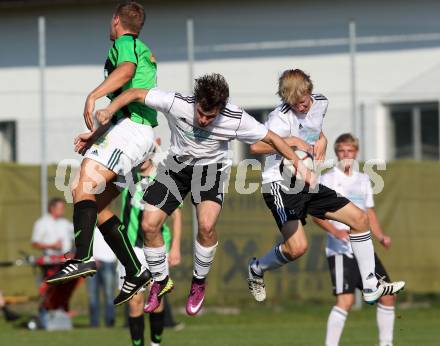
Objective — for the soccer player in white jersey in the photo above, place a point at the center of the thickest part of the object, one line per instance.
(301, 115)
(202, 126)
(344, 270)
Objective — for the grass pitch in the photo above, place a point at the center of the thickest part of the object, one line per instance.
(293, 325)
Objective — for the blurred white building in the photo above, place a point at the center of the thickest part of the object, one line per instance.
(250, 42)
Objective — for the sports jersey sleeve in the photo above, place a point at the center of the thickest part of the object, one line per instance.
(250, 130)
(125, 52)
(278, 124)
(324, 112)
(159, 100)
(369, 199)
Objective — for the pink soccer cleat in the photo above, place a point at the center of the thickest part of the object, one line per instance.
(157, 291)
(196, 297)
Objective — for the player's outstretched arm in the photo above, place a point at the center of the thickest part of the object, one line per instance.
(121, 75)
(329, 228)
(264, 148)
(128, 96)
(377, 229)
(284, 149)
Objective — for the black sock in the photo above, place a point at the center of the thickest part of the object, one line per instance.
(84, 222)
(156, 326)
(137, 326)
(116, 237)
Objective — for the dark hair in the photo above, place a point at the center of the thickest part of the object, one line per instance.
(211, 91)
(132, 16)
(53, 202)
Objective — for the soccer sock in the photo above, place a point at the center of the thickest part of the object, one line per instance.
(137, 326)
(335, 326)
(385, 322)
(203, 257)
(363, 250)
(270, 261)
(157, 262)
(156, 326)
(116, 236)
(84, 221)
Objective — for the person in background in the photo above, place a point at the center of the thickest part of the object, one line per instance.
(53, 235)
(344, 268)
(131, 216)
(104, 281)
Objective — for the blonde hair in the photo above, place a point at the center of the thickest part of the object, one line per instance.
(293, 85)
(346, 138)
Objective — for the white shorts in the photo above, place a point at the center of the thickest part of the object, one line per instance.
(121, 270)
(123, 147)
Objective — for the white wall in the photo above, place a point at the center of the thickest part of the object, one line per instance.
(77, 44)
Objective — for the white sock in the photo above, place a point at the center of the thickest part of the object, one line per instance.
(335, 326)
(203, 257)
(385, 323)
(270, 261)
(154, 344)
(157, 262)
(363, 250)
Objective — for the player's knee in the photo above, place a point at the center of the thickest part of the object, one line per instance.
(149, 227)
(206, 230)
(296, 249)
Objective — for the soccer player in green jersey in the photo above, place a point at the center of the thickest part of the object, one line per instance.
(131, 216)
(111, 152)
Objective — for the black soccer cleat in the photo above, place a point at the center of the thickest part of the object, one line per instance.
(73, 269)
(131, 286)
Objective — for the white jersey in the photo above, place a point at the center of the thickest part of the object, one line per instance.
(193, 144)
(48, 230)
(285, 122)
(355, 187)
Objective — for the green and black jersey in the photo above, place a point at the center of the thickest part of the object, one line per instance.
(128, 48)
(131, 214)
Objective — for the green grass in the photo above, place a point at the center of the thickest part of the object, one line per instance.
(295, 325)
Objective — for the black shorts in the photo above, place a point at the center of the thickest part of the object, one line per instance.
(295, 206)
(174, 180)
(345, 274)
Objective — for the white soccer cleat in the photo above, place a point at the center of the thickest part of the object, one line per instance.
(383, 289)
(256, 284)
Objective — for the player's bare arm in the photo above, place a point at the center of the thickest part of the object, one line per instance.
(121, 75)
(84, 141)
(285, 150)
(377, 229)
(329, 228)
(264, 148)
(320, 147)
(127, 97)
(174, 257)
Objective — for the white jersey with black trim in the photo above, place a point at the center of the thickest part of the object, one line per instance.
(193, 144)
(285, 122)
(357, 188)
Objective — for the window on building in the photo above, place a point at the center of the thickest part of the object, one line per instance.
(415, 131)
(7, 141)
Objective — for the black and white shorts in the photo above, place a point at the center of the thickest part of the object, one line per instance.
(174, 180)
(345, 274)
(295, 206)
